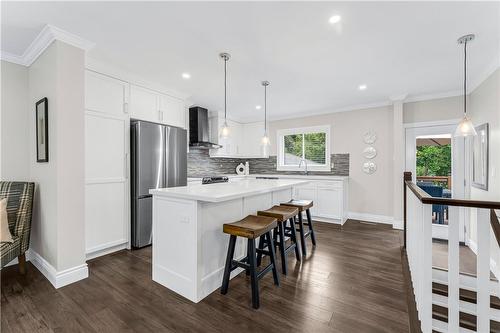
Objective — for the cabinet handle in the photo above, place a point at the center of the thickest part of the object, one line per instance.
(160, 115)
(125, 108)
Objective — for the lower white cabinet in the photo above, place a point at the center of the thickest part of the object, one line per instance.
(330, 199)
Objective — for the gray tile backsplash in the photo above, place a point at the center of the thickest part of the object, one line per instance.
(200, 164)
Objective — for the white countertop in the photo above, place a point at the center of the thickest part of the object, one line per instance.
(227, 191)
(281, 176)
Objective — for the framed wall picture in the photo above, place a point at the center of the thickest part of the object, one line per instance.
(480, 146)
(42, 130)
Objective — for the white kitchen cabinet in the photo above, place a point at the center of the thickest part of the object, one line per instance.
(243, 142)
(149, 105)
(173, 111)
(231, 144)
(329, 201)
(144, 104)
(106, 174)
(329, 196)
(252, 134)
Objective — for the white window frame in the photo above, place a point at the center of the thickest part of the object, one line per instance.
(280, 165)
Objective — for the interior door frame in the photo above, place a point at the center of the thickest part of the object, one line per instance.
(460, 172)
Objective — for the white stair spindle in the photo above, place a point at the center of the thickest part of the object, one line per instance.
(426, 268)
(419, 259)
(453, 269)
(483, 270)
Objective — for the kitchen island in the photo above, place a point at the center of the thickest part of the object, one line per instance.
(189, 247)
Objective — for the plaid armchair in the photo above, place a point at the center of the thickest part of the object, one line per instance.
(19, 206)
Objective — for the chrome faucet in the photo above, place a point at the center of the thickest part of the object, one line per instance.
(305, 162)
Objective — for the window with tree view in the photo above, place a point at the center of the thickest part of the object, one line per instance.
(309, 144)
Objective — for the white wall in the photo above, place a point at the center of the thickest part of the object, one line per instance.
(14, 143)
(43, 83)
(58, 219)
(71, 156)
(449, 108)
(368, 194)
(485, 108)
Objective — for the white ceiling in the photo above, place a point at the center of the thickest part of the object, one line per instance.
(313, 66)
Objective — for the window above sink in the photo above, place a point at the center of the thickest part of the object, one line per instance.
(311, 145)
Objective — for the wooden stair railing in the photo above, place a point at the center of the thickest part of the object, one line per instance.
(417, 246)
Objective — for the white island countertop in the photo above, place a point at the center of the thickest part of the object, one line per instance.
(227, 191)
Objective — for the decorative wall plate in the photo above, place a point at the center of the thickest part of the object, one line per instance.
(370, 137)
(369, 167)
(369, 152)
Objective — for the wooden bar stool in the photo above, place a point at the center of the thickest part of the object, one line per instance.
(250, 227)
(283, 214)
(303, 205)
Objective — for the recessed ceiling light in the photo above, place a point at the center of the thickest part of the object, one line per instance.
(335, 19)
(186, 75)
(258, 107)
(362, 87)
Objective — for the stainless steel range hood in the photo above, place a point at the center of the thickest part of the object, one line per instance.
(199, 136)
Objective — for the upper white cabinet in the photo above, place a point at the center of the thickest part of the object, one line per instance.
(243, 141)
(173, 111)
(149, 105)
(104, 94)
(144, 104)
(252, 134)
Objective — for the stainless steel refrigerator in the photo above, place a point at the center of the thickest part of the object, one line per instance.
(158, 160)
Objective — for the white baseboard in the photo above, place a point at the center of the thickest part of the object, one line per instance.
(398, 224)
(384, 219)
(107, 248)
(57, 279)
(493, 265)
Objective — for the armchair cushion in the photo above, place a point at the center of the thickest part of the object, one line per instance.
(5, 236)
(10, 251)
(19, 197)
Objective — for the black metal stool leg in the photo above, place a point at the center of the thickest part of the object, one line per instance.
(273, 259)
(247, 271)
(261, 247)
(281, 245)
(229, 263)
(293, 237)
(309, 223)
(253, 273)
(302, 235)
(275, 237)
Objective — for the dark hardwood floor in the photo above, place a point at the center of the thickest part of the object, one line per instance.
(351, 282)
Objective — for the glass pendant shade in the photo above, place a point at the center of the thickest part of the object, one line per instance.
(465, 128)
(264, 149)
(224, 132)
(265, 140)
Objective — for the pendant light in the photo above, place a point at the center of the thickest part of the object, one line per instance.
(265, 142)
(465, 127)
(224, 133)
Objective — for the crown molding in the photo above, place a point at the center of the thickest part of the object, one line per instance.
(398, 98)
(428, 97)
(328, 111)
(484, 75)
(11, 57)
(48, 34)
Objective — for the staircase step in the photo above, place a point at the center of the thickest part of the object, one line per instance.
(465, 295)
(467, 321)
